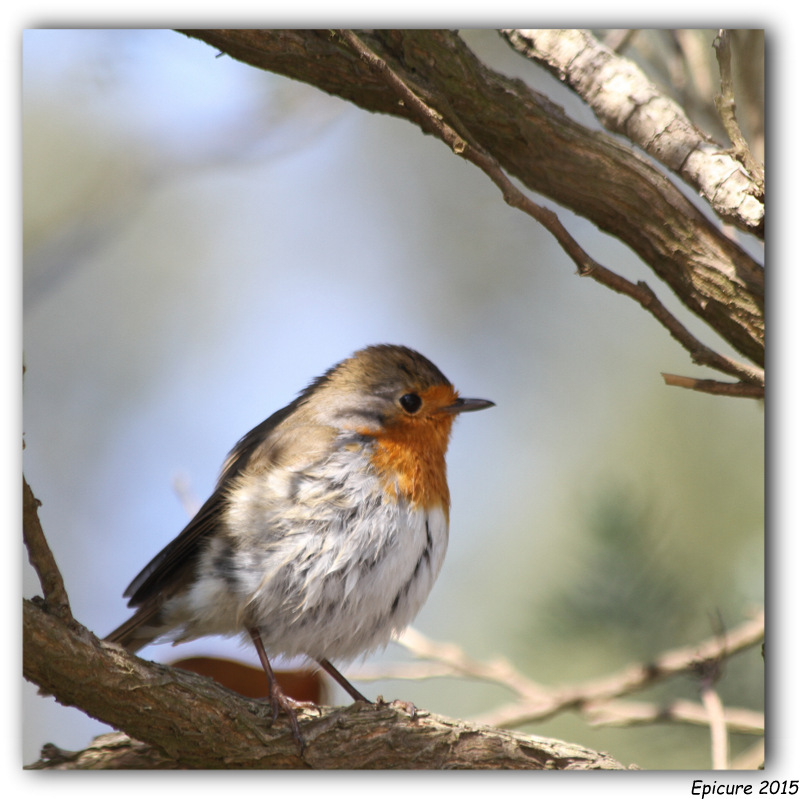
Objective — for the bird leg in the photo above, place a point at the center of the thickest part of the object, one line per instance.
(336, 674)
(278, 699)
(408, 707)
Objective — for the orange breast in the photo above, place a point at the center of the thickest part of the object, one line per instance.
(410, 453)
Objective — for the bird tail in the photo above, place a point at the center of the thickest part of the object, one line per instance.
(138, 631)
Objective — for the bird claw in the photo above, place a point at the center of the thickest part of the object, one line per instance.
(280, 701)
(409, 708)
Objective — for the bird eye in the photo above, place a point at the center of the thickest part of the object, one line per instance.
(410, 403)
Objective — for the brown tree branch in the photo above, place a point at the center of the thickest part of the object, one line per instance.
(188, 721)
(432, 122)
(627, 102)
(113, 750)
(511, 751)
(182, 720)
(534, 141)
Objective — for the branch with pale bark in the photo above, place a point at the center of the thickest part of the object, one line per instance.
(627, 102)
(536, 702)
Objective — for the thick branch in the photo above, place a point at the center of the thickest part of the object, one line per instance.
(431, 121)
(626, 102)
(533, 140)
(188, 721)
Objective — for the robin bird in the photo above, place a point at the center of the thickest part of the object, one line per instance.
(327, 527)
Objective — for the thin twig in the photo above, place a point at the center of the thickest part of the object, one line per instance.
(719, 732)
(536, 702)
(726, 108)
(694, 68)
(619, 38)
(751, 759)
(715, 387)
(638, 676)
(612, 713)
(432, 122)
(710, 673)
(700, 353)
(41, 557)
(626, 713)
(498, 670)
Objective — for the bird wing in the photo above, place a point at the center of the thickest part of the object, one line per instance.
(174, 566)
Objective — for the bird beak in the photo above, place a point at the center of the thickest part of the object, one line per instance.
(462, 405)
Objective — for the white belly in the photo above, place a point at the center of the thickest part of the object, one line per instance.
(334, 577)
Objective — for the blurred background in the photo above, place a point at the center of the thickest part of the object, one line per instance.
(201, 239)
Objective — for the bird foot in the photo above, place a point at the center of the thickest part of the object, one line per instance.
(408, 708)
(282, 702)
